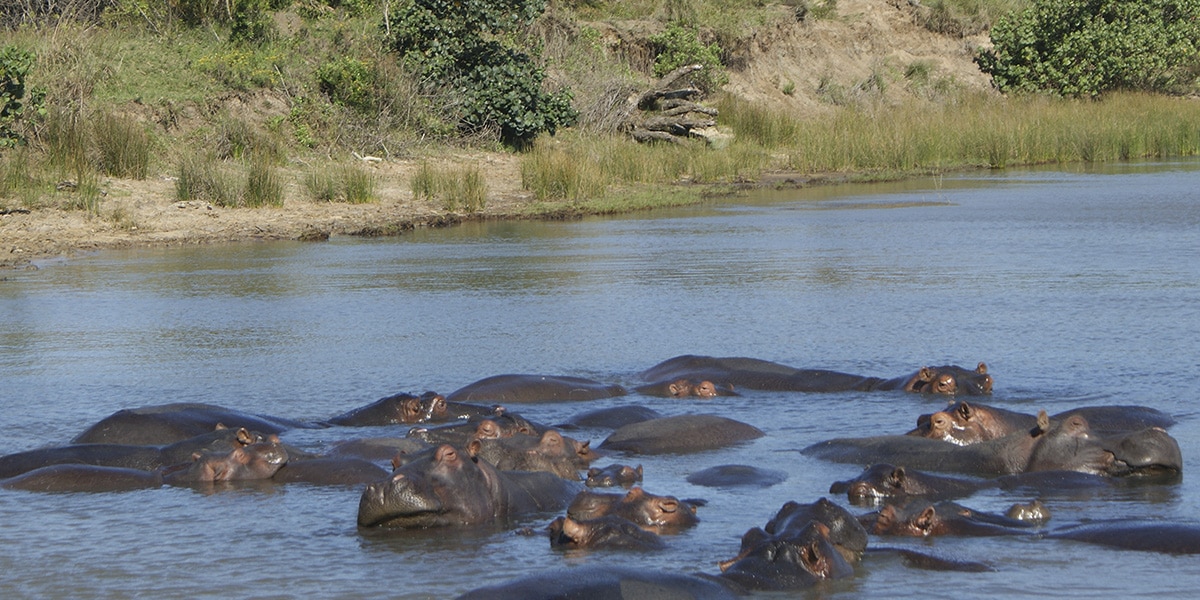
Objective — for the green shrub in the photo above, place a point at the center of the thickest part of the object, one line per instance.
(1087, 47)
(348, 82)
(15, 65)
(472, 47)
(679, 46)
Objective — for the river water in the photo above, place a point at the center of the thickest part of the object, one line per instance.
(1075, 287)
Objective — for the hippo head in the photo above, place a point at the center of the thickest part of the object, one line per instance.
(845, 532)
(657, 511)
(614, 475)
(919, 521)
(876, 483)
(431, 406)
(799, 560)
(951, 380)
(443, 486)
(240, 461)
(698, 388)
(963, 423)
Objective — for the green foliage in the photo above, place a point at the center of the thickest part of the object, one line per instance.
(15, 65)
(251, 23)
(679, 46)
(1087, 47)
(123, 146)
(348, 82)
(470, 47)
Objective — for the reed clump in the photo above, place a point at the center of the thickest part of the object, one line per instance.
(341, 183)
(455, 187)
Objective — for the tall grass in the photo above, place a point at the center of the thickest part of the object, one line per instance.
(122, 146)
(345, 183)
(978, 130)
(456, 187)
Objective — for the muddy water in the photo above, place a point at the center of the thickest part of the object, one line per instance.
(1076, 288)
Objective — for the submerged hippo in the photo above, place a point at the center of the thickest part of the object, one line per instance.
(1153, 536)
(146, 458)
(446, 486)
(680, 434)
(614, 475)
(729, 476)
(883, 481)
(1067, 445)
(967, 423)
(686, 388)
(507, 389)
(757, 374)
(260, 460)
(460, 434)
(552, 452)
(660, 513)
(607, 531)
(403, 408)
(83, 478)
(922, 518)
(614, 417)
(606, 582)
(343, 471)
(170, 423)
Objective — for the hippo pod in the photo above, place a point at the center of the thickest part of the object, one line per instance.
(751, 373)
(506, 389)
(447, 486)
(966, 423)
(800, 546)
(1068, 445)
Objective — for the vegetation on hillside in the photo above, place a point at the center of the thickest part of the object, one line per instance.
(230, 98)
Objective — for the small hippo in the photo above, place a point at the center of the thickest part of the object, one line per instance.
(614, 475)
(659, 513)
(608, 531)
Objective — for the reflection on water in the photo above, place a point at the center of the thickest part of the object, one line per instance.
(1077, 288)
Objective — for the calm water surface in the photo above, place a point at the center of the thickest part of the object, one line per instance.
(1076, 288)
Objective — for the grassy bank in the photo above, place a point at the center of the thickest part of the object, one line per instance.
(277, 122)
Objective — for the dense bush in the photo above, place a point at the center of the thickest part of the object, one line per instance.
(1087, 47)
(470, 47)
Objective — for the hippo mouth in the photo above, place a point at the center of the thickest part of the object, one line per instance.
(395, 503)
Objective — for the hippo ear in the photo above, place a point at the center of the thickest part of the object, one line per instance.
(240, 456)
(898, 476)
(924, 521)
(196, 456)
(219, 427)
(638, 470)
(1043, 423)
(474, 447)
(926, 374)
(966, 411)
(498, 410)
(981, 369)
(244, 437)
(396, 462)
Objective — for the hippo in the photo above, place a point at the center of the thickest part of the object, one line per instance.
(613, 417)
(882, 481)
(607, 531)
(403, 408)
(801, 546)
(686, 388)
(967, 423)
(460, 434)
(1033, 512)
(508, 389)
(170, 423)
(607, 582)
(552, 453)
(614, 475)
(83, 478)
(260, 460)
(922, 518)
(333, 471)
(446, 486)
(1133, 534)
(146, 458)
(757, 374)
(1067, 445)
(680, 434)
(728, 476)
(660, 513)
